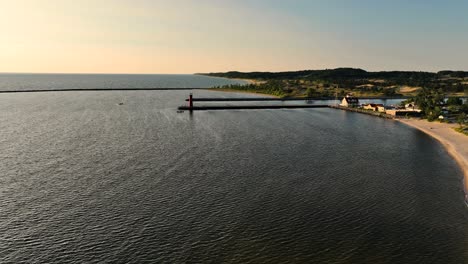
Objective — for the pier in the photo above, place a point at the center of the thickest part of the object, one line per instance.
(362, 111)
(191, 107)
(282, 99)
(251, 107)
(97, 90)
(255, 99)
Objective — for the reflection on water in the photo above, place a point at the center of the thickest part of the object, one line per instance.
(85, 180)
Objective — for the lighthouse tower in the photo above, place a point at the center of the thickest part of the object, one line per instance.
(191, 101)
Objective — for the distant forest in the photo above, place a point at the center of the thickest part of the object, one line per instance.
(350, 79)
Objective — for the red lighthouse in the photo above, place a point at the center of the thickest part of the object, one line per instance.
(190, 101)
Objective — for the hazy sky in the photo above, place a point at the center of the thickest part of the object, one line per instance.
(187, 36)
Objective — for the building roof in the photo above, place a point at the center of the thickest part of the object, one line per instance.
(375, 105)
(351, 100)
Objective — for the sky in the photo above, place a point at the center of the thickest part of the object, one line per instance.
(191, 36)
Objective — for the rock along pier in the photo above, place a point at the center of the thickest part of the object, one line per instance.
(191, 107)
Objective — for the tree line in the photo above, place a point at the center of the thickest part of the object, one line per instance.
(448, 81)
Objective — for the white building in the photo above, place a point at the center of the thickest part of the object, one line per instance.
(350, 101)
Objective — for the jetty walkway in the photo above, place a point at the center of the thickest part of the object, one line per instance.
(192, 107)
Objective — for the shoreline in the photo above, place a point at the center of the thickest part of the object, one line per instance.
(248, 81)
(227, 90)
(455, 143)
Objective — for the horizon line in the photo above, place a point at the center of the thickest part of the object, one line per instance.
(202, 73)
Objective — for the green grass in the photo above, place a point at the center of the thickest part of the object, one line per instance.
(463, 130)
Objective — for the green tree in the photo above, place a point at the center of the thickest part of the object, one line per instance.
(454, 101)
(430, 100)
(464, 107)
(311, 92)
(461, 119)
(389, 92)
(407, 101)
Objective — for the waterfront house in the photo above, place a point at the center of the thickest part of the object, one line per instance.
(410, 109)
(381, 108)
(403, 112)
(350, 101)
(412, 106)
(374, 107)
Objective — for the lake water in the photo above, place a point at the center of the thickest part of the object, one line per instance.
(10, 82)
(87, 180)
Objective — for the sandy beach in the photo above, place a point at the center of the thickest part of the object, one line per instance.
(227, 90)
(249, 81)
(455, 143)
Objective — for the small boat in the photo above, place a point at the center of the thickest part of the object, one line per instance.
(121, 103)
(180, 111)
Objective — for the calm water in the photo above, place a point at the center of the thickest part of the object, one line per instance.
(10, 82)
(86, 180)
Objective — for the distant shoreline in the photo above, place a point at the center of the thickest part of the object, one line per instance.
(351, 80)
(377, 97)
(227, 90)
(249, 81)
(455, 143)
